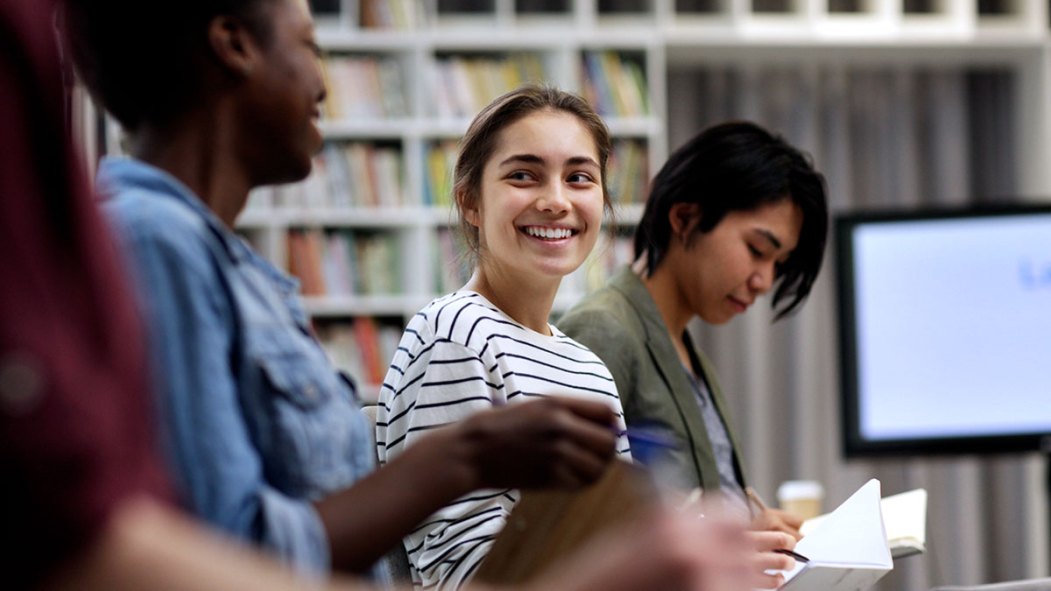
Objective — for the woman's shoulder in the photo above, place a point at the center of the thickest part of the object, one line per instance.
(603, 314)
(462, 317)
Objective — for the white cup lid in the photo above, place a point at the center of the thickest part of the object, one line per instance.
(800, 489)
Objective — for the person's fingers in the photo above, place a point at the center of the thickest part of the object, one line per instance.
(773, 520)
(764, 561)
(766, 564)
(595, 438)
(767, 581)
(790, 519)
(541, 443)
(577, 466)
(591, 410)
(764, 541)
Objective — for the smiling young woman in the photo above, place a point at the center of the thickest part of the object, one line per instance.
(530, 188)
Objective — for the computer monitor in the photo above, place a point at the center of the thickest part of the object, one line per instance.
(945, 330)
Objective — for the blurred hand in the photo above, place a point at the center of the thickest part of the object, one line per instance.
(762, 557)
(764, 560)
(777, 520)
(667, 551)
(548, 442)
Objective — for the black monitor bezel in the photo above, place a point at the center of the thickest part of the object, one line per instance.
(854, 445)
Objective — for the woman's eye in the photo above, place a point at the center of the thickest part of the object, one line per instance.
(520, 175)
(755, 251)
(579, 178)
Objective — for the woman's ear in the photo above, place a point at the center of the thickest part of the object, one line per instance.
(232, 45)
(468, 211)
(683, 218)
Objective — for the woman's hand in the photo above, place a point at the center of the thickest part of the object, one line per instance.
(776, 520)
(766, 561)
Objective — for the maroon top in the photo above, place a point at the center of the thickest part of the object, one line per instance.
(75, 434)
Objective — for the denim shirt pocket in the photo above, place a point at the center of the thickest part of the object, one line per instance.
(311, 432)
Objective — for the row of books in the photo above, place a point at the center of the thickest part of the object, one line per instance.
(463, 85)
(344, 262)
(362, 347)
(350, 174)
(615, 84)
(364, 87)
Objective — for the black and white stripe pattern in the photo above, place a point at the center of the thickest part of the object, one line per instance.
(458, 356)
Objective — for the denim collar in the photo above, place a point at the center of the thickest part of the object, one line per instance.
(119, 174)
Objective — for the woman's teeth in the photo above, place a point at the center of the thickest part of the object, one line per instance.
(548, 233)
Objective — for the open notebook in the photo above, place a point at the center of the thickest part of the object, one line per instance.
(847, 550)
(904, 519)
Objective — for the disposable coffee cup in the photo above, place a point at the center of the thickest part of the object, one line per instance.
(801, 497)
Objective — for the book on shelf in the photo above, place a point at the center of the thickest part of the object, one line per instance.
(464, 84)
(348, 174)
(304, 260)
(847, 550)
(378, 263)
(450, 263)
(441, 159)
(372, 362)
(616, 86)
(398, 15)
(628, 171)
(364, 87)
(344, 262)
(339, 264)
(905, 521)
(362, 347)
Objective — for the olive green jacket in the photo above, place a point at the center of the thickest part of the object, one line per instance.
(622, 325)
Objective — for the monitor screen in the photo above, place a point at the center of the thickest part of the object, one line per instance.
(945, 330)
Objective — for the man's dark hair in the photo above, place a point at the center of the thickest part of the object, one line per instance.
(739, 166)
(142, 59)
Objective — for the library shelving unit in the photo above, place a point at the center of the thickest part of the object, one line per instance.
(371, 233)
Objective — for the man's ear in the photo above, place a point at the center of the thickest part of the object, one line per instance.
(683, 218)
(232, 45)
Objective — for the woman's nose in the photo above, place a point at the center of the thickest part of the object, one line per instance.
(553, 199)
(762, 280)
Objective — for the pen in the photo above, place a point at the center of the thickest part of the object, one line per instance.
(757, 505)
(649, 444)
(793, 554)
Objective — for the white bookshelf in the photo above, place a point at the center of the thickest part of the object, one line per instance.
(657, 37)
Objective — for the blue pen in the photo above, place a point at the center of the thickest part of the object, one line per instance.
(648, 443)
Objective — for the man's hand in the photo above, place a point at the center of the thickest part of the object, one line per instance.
(548, 442)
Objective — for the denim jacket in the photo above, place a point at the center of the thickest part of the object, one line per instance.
(255, 420)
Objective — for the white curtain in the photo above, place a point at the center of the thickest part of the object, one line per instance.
(885, 137)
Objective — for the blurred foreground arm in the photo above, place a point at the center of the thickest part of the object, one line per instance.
(668, 551)
(147, 545)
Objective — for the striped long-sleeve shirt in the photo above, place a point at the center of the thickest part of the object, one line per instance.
(460, 355)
